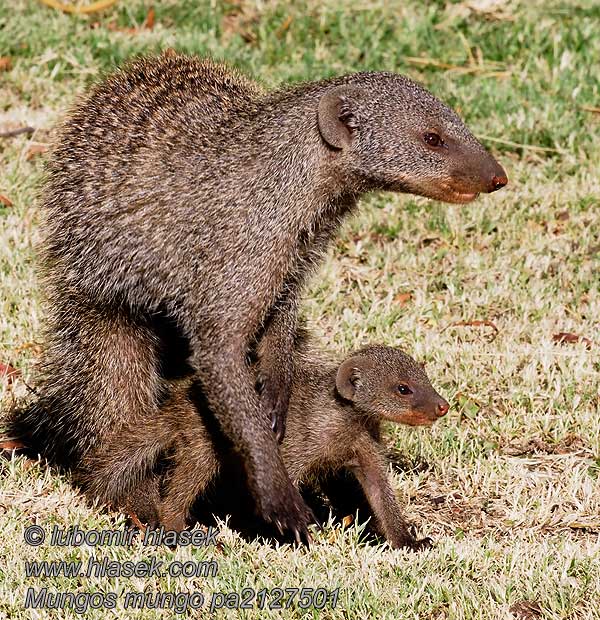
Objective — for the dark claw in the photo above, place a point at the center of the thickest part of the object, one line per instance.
(302, 537)
(316, 522)
(278, 426)
(312, 518)
(297, 536)
(309, 539)
(285, 509)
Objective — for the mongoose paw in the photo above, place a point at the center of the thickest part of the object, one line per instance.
(410, 542)
(173, 522)
(142, 504)
(422, 544)
(287, 511)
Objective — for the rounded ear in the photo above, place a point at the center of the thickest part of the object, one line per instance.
(337, 115)
(349, 376)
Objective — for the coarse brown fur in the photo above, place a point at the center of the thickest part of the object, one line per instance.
(183, 209)
(334, 420)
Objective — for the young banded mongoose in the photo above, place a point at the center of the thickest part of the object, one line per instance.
(333, 423)
(184, 208)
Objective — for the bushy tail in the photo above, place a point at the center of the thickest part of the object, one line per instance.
(29, 426)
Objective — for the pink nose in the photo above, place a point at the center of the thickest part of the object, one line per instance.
(442, 409)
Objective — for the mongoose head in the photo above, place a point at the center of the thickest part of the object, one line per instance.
(392, 134)
(386, 383)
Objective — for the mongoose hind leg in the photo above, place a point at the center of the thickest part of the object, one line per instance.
(122, 469)
(117, 405)
(189, 479)
(143, 503)
(195, 461)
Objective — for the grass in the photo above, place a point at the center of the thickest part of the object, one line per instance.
(509, 484)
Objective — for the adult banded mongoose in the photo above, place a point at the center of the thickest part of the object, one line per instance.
(334, 419)
(183, 209)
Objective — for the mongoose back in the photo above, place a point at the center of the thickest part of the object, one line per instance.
(185, 205)
(333, 424)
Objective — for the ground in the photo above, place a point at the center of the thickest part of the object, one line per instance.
(508, 484)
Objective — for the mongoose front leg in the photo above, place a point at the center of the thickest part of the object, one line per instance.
(275, 353)
(276, 346)
(229, 387)
(370, 468)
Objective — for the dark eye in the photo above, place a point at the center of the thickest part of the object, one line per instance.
(432, 139)
(404, 390)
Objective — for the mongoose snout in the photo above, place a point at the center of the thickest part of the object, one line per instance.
(498, 182)
(493, 175)
(473, 173)
(426, 413)
(442, 408)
